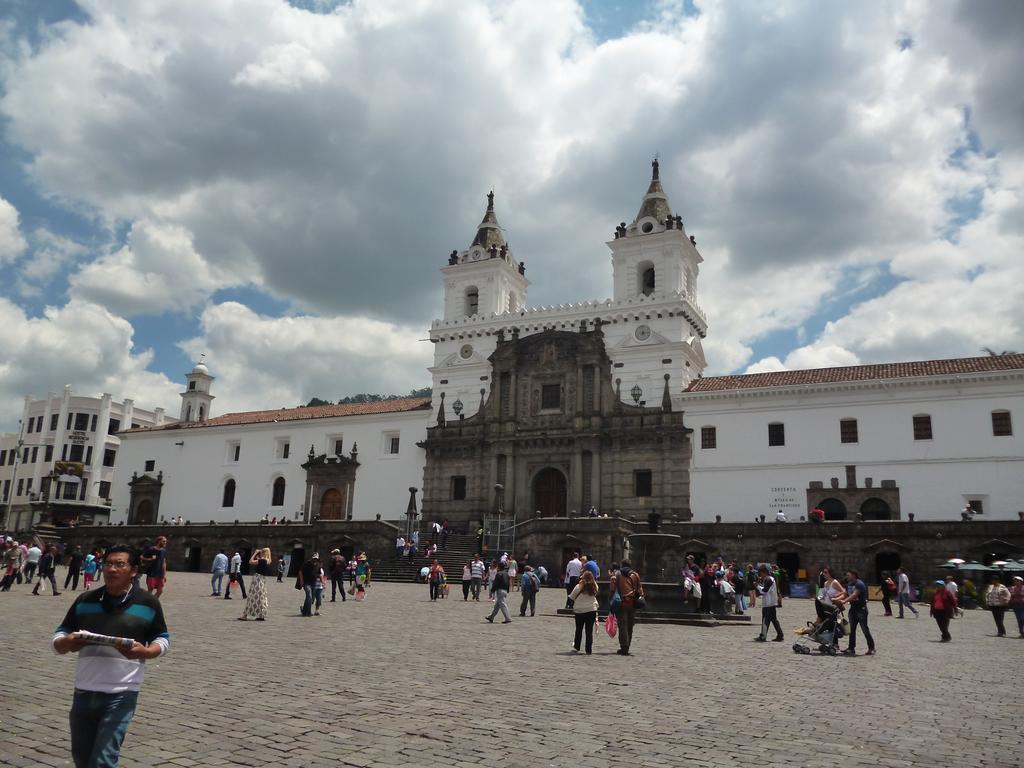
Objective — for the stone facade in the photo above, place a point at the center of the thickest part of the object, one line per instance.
(144, 503)
(331, 484)
(853, 502)
(554, 433)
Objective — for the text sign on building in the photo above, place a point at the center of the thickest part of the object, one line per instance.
(78, 438)
(785, 498)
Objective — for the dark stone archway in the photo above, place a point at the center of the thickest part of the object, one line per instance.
(549, 492)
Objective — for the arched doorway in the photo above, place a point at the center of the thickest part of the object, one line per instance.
(875, 509)
(331, 507)
(145, 513)
(834, 509)
(549, 492)
(886, 562)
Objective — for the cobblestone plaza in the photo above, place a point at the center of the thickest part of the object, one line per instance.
(399, 681)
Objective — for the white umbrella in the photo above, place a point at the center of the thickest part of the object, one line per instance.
(956, 561)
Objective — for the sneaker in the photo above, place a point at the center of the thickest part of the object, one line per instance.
(490, 619)
(509, 621)
(870, 652)
(779, 639)
(760, 639)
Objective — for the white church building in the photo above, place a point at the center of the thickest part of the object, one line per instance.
(882, 441)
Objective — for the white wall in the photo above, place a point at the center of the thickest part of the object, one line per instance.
(194, 472)
(935, 477)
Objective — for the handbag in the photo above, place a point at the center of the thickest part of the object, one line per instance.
(615, 604)
(640, 602)
(611, 625)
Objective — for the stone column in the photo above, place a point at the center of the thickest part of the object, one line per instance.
(62, 422)
(575, 484)
(349, 494)
(37, 473)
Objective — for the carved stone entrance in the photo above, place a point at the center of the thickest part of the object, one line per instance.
(549, 493)
(330, 485)
(144, 505)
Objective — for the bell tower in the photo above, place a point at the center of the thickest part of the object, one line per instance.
(485, 278)
(196, 399)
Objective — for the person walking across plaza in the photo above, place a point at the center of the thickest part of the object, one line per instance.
(75, 562)
(282, 567)
(572, 576)
(89, 568)
(626, 583)
(888, 589)
(857, 599)
(953, 587)
(903, 592)
(584, 610)
(529, 586)
(235, 576)
(339, 567)
(154, 560)
(943, 607)
(1017, 602)
(309, 583)
(47, 569)
(257, 604)
(435, 577)
(499, 591)
(767, 588)
(997, 599)
(108, 678)
(11, 569)
(32, 562)
(477, 570)
(218, 569)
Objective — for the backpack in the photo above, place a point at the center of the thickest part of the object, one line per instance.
(890, 585)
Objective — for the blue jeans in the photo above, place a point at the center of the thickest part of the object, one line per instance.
(99, 722)
(216, 581)
(904, 600)
(307, 603)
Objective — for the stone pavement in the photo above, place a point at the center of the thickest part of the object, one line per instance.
(400, 681)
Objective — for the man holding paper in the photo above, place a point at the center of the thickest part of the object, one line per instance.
(114, 630)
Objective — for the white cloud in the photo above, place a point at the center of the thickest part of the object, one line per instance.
(157, 270)
(80, 344)
(52, 255)
(283, 67)
(267, 362)
(12, 242)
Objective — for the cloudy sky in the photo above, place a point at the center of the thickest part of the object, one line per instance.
(277, 184)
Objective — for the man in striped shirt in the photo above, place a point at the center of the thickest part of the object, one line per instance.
(476, 574)
(110, 668)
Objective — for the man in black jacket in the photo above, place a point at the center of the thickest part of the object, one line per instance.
(75, 560)
(47, 567)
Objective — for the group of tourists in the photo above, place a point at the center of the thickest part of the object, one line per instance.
(22, 563)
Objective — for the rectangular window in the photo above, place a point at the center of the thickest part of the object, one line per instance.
(81, 422)
(104, 489)
(393, 445)
(282, 448)
(92, 423)
(28, 485)
(458, 488)
(82, 488)
(338, 444)
(776, 434)
(48, 453)
(77, 453)
(21, 487)
(109, 456)
(88, 455)
(1001, 424)
(922, 427)
(35, 455)
(24, 455)
(71, 420)
(7, 488)
(284, 453)
(64, 452)
(31, 424)
(708, 438)
(114, 426)
(848, 431)
(550, 397)
(3, 457)
(191, 385)
(70, 491)
(642, 483)
(234, 451)
(976, 506)
(53, 422)
(150, 465)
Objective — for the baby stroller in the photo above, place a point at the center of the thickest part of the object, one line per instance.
(825, 635)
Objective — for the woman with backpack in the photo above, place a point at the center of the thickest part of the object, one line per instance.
(943, 608)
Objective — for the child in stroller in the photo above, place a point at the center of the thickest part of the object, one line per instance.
(825, 633)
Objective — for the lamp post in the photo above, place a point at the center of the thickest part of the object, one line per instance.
(636, 393)
(458, 407)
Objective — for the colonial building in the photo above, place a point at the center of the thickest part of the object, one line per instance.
(65, 462)
(554, 437)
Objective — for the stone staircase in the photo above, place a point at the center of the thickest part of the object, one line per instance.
(459, 551)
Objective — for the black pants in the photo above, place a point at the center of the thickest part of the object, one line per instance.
(573, 581)
(943, 621)
(42, 577)
(466, 584)
(627, 621)
(72, 578)
(859, 616)
(770, 619)
(585, 621)
(337, 585)
(5, 585)
(530, 598)
(435, 590)
(887, 603)
(998, 612)
(30, 571)
(241, 586)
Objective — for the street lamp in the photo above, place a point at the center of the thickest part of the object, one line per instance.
(637, 393)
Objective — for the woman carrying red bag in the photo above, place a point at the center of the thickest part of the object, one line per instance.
(943, 608)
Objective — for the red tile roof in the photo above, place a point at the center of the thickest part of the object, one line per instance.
(303, 414)
(859, 373)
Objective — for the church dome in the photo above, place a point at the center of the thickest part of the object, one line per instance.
(201, 368)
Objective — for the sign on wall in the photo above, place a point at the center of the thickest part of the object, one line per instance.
(786, 498)
(78, 438)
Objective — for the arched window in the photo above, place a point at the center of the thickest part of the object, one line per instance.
(228, 499)
(472, 301)
(277, 498)
(202, 413)
(647, 280)
(188, 414)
